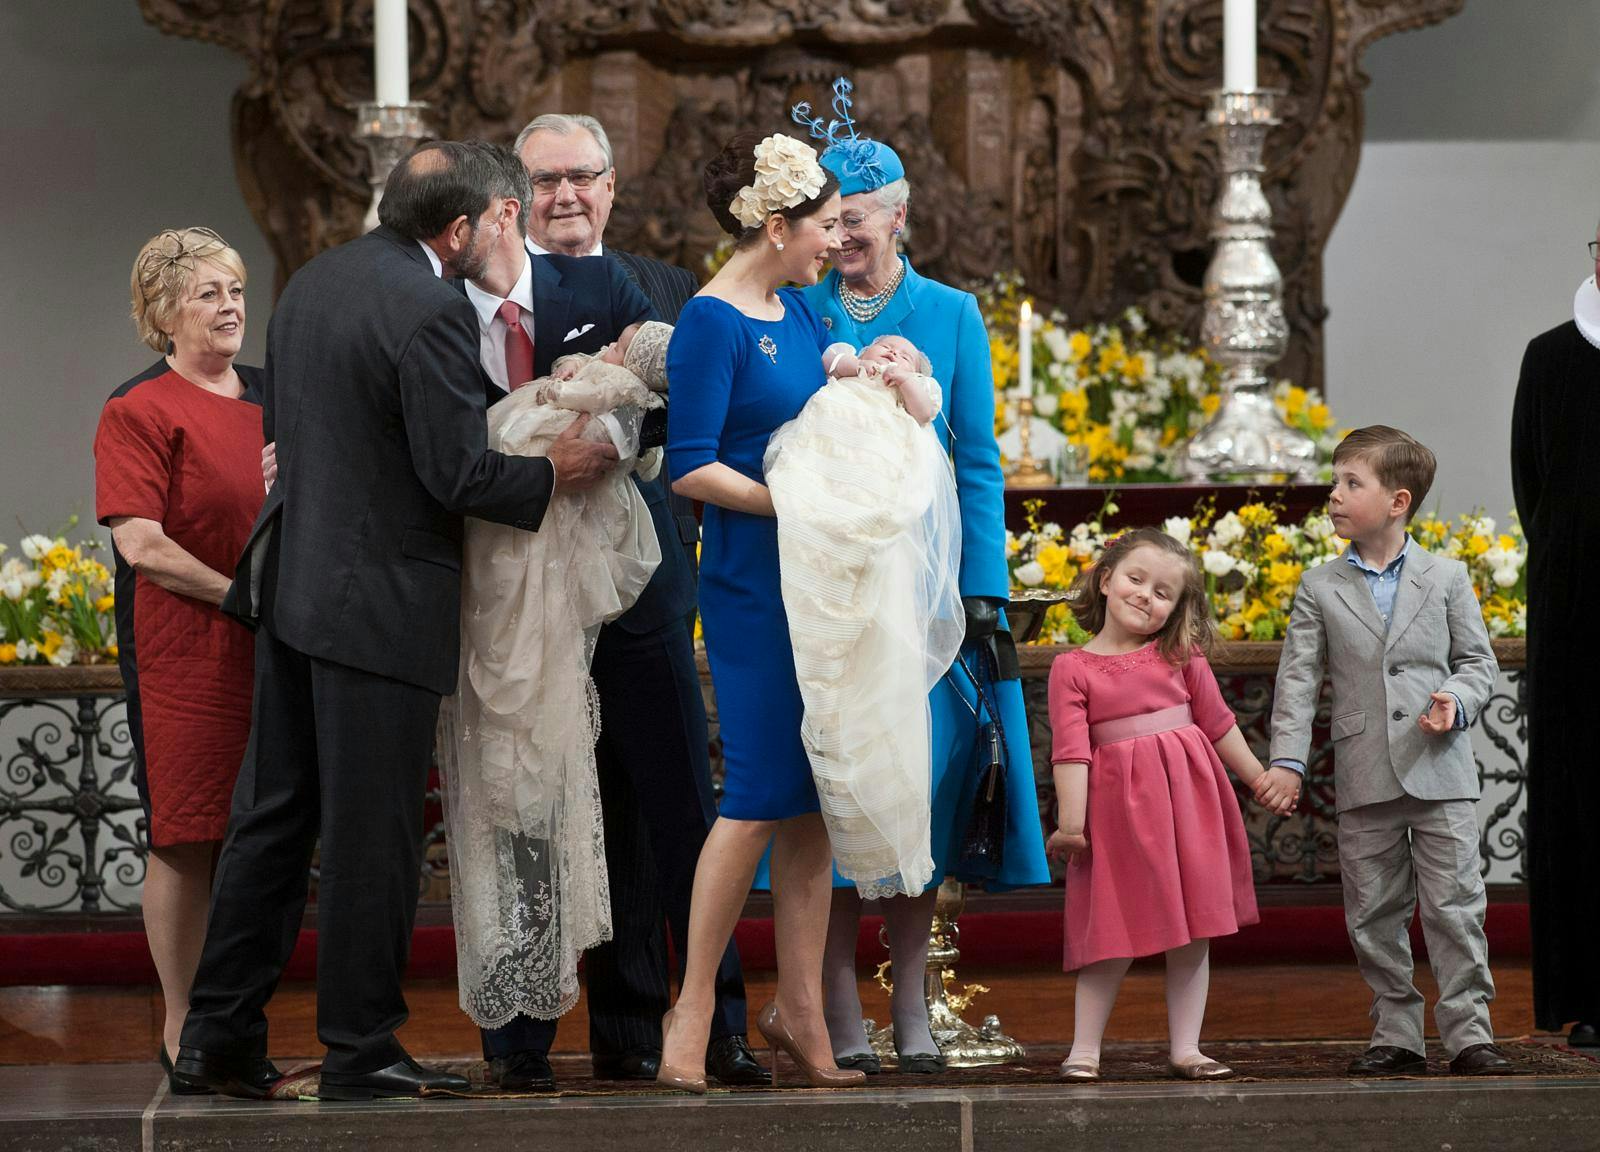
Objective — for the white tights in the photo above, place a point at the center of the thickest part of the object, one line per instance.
(1188, 978)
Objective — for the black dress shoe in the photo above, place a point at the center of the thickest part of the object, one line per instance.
(919, 1063)
(527, 1071)
(173, 1086)
(405, 1077)
(634, 1064)
(730, 1060)
(195, 1073)
(1387, 1060)
(1480, 1060)
(867, 1062)
(1583, 1036)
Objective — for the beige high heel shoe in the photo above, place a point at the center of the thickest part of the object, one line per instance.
(669, 1077)
(776, 1033)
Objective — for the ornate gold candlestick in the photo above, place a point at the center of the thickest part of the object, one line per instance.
(963, 1045)
(1027, 472)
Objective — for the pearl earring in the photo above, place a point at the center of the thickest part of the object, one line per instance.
(779, 244)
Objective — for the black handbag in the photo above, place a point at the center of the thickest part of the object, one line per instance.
(983, 844)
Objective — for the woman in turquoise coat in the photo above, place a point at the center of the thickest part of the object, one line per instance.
(873, 290)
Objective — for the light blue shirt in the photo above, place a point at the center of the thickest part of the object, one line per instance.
(1383, 584)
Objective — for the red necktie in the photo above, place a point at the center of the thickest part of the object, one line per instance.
(519, 349)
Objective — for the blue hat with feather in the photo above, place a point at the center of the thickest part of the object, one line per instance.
(860, 163)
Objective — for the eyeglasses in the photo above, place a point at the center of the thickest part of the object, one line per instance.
(1594, 249)
(548, 183)
(852, 221)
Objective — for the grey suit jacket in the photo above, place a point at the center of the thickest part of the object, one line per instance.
(1436, 642)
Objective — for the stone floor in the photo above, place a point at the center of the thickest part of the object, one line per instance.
(1294, 1095)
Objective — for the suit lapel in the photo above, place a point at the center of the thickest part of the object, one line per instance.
(1415, 583)
(1357, 596)
(552, 311)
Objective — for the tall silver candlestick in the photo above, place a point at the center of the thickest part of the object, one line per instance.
(389, 131)
(1244, 325)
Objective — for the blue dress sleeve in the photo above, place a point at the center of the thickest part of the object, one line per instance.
(702, 361)
(980, 485)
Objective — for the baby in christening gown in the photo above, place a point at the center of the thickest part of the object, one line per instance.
(869, 546)
(516, 742)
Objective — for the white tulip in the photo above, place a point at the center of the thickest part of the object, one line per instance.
(1030, 575)
(36, 546)
(11, 588)
(1216, 562)
(1179, 528)
(1229, 530)
(1046, 404)
(1056, 340)
(1506, 576)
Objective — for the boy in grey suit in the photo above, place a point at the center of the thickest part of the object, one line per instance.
(1402, 635)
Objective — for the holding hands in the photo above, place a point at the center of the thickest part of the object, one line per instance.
(1277, 789)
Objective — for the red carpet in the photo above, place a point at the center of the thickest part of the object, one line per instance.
(988, 939)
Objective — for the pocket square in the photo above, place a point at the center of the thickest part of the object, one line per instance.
(576, 332)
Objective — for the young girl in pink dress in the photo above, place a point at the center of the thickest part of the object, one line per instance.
(1156, 854)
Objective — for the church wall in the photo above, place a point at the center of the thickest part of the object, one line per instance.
(112, 132)
(1463, 235)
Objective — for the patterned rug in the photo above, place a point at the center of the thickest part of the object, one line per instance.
(1264, 1062)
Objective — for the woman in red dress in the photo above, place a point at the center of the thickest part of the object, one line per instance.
(178, 481)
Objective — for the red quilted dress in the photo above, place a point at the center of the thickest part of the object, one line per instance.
(1168, 859)
(170, 451)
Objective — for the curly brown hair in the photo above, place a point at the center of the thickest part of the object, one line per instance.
(1188, 630)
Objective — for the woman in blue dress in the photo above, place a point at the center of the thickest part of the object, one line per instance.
(873, 290)
(745, 358)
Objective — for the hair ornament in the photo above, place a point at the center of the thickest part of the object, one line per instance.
(787, 174)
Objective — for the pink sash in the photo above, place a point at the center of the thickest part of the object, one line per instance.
(1146, 724)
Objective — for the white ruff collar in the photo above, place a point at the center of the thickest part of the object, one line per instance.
(1586, 311)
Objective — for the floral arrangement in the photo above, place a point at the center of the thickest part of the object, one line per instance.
(1253, 561)
(56, 604)
(1125, 393)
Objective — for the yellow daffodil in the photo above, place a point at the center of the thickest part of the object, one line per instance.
(8, 653)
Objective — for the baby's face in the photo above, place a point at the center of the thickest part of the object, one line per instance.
(616, 353)
(886, 350)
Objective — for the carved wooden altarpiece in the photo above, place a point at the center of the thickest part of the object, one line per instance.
(1061, 138)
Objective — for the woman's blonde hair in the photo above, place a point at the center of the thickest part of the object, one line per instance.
(161, 273)
(1189, 629)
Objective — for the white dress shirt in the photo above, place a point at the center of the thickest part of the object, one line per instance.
(433, 259)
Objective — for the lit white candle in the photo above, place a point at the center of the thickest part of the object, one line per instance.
(390, 62)
(1239, 45)
(1025, 349)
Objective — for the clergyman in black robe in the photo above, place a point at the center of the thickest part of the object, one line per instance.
(1555, 473)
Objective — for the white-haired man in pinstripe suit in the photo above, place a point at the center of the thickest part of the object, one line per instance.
(655, 778)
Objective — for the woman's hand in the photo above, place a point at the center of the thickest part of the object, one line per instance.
(1067, 846)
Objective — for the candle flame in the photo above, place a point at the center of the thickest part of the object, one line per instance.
(1027, 313)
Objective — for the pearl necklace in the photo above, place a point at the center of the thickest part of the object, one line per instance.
(861, 308)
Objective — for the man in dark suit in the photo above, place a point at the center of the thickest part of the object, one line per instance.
(373, 399)
(655, 775)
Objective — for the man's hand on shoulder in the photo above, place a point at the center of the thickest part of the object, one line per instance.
(580, 464)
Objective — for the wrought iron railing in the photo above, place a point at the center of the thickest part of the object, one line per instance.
(72, 836)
